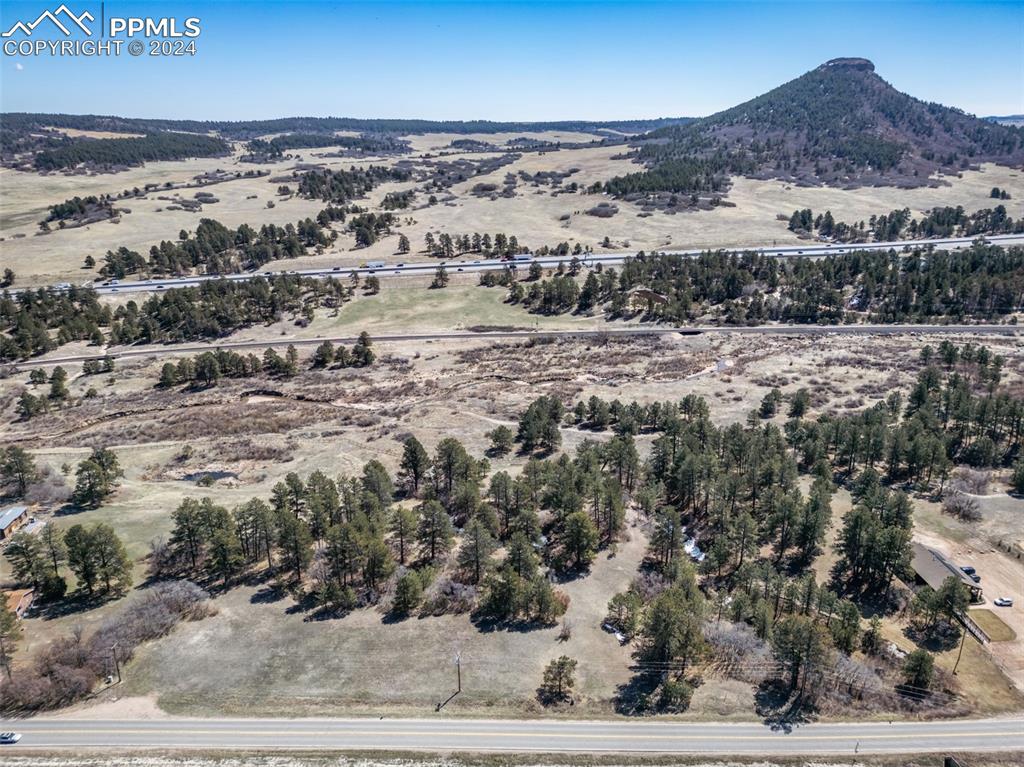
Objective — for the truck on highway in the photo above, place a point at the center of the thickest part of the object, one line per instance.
(522, 257)
(374, 264)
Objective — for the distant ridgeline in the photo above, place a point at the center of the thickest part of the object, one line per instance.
(840, 124)
(24, 137)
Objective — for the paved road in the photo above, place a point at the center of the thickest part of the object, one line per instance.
(519, 736)
(402, 269)
(783, 330)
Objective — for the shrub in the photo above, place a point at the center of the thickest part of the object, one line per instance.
(675, 695)
(919, 669)
(962, 506)
(408, 593)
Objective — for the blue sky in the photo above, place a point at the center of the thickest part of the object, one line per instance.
(520, 60)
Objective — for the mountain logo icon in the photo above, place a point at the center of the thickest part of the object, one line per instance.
(70, 20)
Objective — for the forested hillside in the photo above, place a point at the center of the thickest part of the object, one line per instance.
(838, 124)
(129, 151)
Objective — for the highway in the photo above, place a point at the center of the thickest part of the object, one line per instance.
(421, 268)
(464, 335)
(623, 736)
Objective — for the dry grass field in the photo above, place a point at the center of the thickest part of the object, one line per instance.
(262, 646)
(538, 213)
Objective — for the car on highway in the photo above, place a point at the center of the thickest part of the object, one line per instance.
(1003, 602)
(336, 269)
(10, 737)
(401, 264)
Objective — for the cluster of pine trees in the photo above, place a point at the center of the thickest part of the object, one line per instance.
(368, 227)
(981, 282)
(342, 186)
(264, 150)
(900, 224)
(445, 245)
(110, 152)
(955, 414)
(679, 173)
(344, 538)
(78, 208)
(215, 308)
(207, 368)
(36, 321)
(94, 553)
(216, 249)
(736, 488)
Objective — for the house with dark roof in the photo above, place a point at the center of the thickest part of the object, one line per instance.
(931, 567)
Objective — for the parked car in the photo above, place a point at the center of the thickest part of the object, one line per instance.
(974, 577)
(10, 737)
(968, 569)
(1003, 602)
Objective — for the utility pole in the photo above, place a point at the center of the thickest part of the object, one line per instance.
(458, 677)
(117, 665)
(963, 638)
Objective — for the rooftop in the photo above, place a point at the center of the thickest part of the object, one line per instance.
(9, 515)
(933, 568)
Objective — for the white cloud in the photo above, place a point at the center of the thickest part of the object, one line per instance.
(18, 66)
